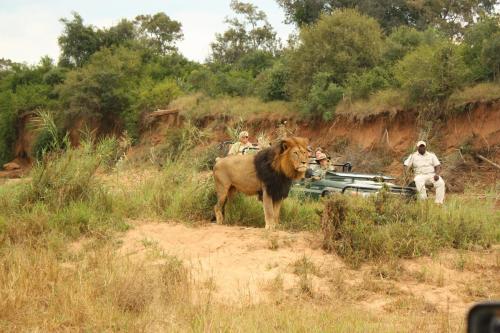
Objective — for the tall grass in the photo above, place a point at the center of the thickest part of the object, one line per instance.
(64, 192)
(198, 106)
(385, 101)
(482, 92)
(384, 227)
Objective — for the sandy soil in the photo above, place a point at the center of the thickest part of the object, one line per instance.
(240, 264)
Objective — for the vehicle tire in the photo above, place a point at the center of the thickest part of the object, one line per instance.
(326, 193)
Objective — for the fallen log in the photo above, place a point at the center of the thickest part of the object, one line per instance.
(487, 160)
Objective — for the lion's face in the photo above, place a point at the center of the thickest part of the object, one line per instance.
(293, 157)
(298, 157)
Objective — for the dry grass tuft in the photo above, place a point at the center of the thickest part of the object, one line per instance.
(482, 92)
(199, 106)
(411, 304)
(386, 101)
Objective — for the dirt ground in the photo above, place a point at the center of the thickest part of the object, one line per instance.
(241, 265)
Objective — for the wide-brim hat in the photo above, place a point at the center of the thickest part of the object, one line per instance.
(321, 157)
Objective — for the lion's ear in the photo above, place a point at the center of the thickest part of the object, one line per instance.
(283, 146)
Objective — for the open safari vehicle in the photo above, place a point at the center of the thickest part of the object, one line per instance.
(347, 182)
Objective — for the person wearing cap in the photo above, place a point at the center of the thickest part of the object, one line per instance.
(318, 152)
(427, 169)
(324, 166)
(238, 147)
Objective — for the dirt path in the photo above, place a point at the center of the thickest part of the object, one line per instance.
(239, 261)
(242, 266)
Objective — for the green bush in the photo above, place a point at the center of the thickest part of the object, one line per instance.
(271, 83)
(431, 74)
(233, 83)
(386, 226)
(8, 118)
(323, 97)
(361, 86)
(481, 48)
(343, 43)
(157, 95)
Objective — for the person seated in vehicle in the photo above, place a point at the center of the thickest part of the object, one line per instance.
(238, 147)
(426, 168)
(263, 142)
(324, 166)
(318, 152)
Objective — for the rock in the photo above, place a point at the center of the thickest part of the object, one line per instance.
(11, 166)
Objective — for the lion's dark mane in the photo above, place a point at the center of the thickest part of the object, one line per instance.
(276, 183)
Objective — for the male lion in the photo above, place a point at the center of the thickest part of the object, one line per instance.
(269, 174)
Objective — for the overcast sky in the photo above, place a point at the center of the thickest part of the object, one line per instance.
(29, 28)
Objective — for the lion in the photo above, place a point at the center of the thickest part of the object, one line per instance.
(269, 174)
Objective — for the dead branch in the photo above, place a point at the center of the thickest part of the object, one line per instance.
(487, 160)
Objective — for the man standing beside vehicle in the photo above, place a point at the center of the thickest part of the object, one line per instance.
(238, 147)
(427, 169)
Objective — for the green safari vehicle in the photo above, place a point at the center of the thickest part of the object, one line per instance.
(347, 182)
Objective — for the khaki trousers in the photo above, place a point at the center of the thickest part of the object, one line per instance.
(422, 180)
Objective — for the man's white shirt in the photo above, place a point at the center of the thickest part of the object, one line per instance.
(422, 164)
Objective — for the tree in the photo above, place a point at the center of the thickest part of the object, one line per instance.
(122, 33)
(340, 44)
(404, 40)
(481, 48)
(271, 83)
(104, 88)
(490, 55)
(449, 15)
(250, 34)
(159, 32)
(8, 119)
(303, 12)
(156, 33)
(323, 97)
(78, 42)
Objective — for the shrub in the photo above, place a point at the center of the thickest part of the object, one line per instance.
(342, 43)
(362, 85)
(385, 226)
(233, 83)
(480, 50)
(8, 117)
(323, 97)
(431, 74)
(271, 83)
